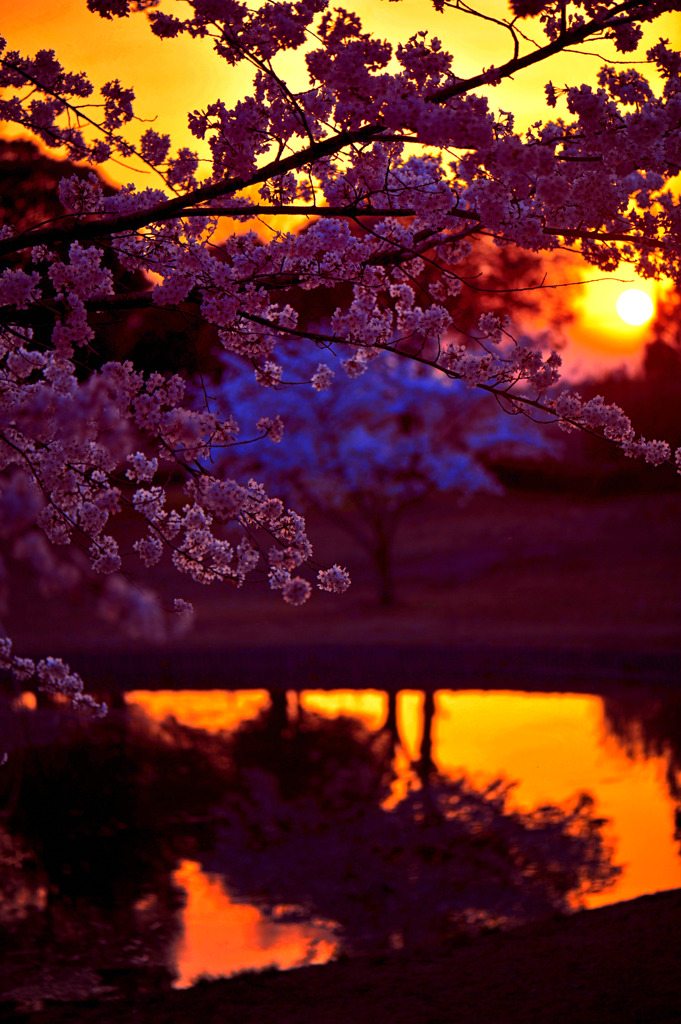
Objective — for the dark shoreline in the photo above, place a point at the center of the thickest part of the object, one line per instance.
(615, 965)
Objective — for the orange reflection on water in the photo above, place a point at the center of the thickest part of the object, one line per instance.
(25, 702)
(211, 710)
(554, 746)
(369, 706)
(221, 937)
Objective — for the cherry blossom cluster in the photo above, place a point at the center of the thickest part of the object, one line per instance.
(612, 421)
(392, 163)
(621, 22)
(52, 676)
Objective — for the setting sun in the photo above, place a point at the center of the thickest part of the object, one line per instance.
(635, 307)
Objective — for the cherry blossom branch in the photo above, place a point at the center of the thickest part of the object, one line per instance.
(388, 221)
(310, 154)
(607, 236)
(655, 452)
(79, 114)
(569, 38)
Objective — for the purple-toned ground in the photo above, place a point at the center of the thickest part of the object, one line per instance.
(616, 965)
(531, 571)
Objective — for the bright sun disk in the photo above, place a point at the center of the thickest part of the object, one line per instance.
(635, 307)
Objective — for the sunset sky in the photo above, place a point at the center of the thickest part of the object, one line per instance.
(171, 77)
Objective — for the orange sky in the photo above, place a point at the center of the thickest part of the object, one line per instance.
(171, 77)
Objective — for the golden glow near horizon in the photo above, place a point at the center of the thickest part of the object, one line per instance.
(600, 338)
(601, 310)
(172, 77)
(635, 307)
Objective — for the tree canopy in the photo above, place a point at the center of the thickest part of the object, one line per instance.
(396, 166)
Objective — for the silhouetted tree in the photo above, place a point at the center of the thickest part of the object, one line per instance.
(102, 818)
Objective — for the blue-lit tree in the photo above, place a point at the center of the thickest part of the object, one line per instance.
(363, 451)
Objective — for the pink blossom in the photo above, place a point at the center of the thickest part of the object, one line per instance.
(336, 580)
(154, 147)
(117, 104)
(296, 591)
(81, 439)
(322, 377)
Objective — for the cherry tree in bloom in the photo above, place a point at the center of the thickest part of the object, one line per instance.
(361, 452)
(395, 162)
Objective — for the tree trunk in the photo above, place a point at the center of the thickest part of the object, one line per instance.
(426, 764)
(383, 561)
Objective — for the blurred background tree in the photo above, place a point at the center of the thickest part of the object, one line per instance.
(361, 452)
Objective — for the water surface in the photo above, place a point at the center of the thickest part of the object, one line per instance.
(551, 746)
(219, 831)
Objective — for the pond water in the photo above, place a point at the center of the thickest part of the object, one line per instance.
(256, 829)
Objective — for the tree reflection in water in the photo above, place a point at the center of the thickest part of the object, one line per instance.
(96, 823)
(650, 726)
(297, 813)
(308, 834)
